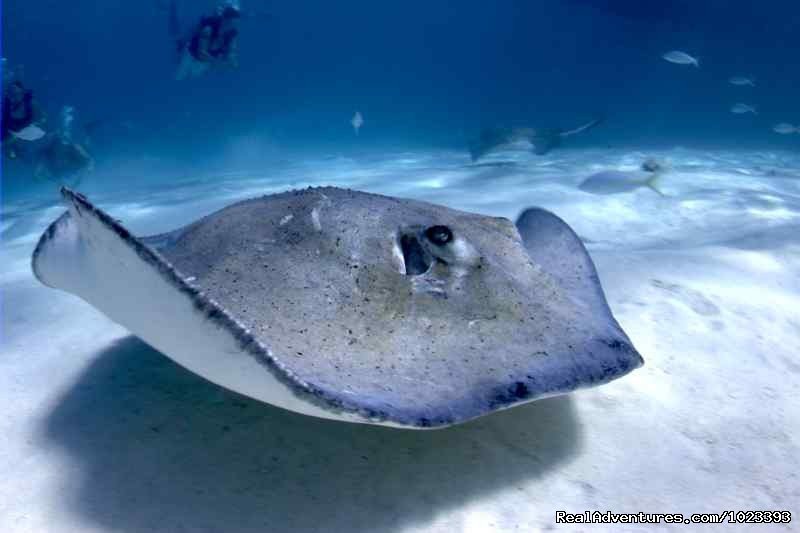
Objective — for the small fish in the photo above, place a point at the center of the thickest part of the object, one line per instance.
(741, 80)
(743, 108)
(357, 121)
(681, 58)
(29, 133)
(785, 128)
(616, 181)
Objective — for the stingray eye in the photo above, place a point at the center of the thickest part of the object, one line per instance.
(439, 235)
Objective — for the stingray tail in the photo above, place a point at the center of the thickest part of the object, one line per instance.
(654, 182)
(584, 127)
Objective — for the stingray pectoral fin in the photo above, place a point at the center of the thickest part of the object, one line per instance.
(544, 142)
(558, 250)
(488, 140)
(87, 253)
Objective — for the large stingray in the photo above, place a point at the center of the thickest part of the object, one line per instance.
(541, 140)
(353, 306)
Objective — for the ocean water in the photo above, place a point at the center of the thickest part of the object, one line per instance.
(103, 433)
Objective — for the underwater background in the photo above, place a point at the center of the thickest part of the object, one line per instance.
(701, 266)
(422, 74)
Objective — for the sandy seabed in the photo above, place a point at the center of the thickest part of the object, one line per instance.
(102, 433)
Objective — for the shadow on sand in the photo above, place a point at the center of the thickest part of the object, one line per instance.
(161, 449)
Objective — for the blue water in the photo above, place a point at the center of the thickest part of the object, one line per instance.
(423, 74)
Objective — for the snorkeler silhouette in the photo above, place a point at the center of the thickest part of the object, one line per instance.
(21, 117)
(213, 41)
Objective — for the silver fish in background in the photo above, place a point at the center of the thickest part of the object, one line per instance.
(740, 109)
(741, 81)
(784, 128)
(618, 181)
(681, 58)
(29, 133)
(357, 121)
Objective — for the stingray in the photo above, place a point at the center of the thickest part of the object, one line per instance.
(353, 306)
(541, 140)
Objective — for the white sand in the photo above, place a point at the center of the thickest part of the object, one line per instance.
(101, 433)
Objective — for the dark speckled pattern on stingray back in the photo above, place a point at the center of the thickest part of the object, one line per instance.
(317, 277)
